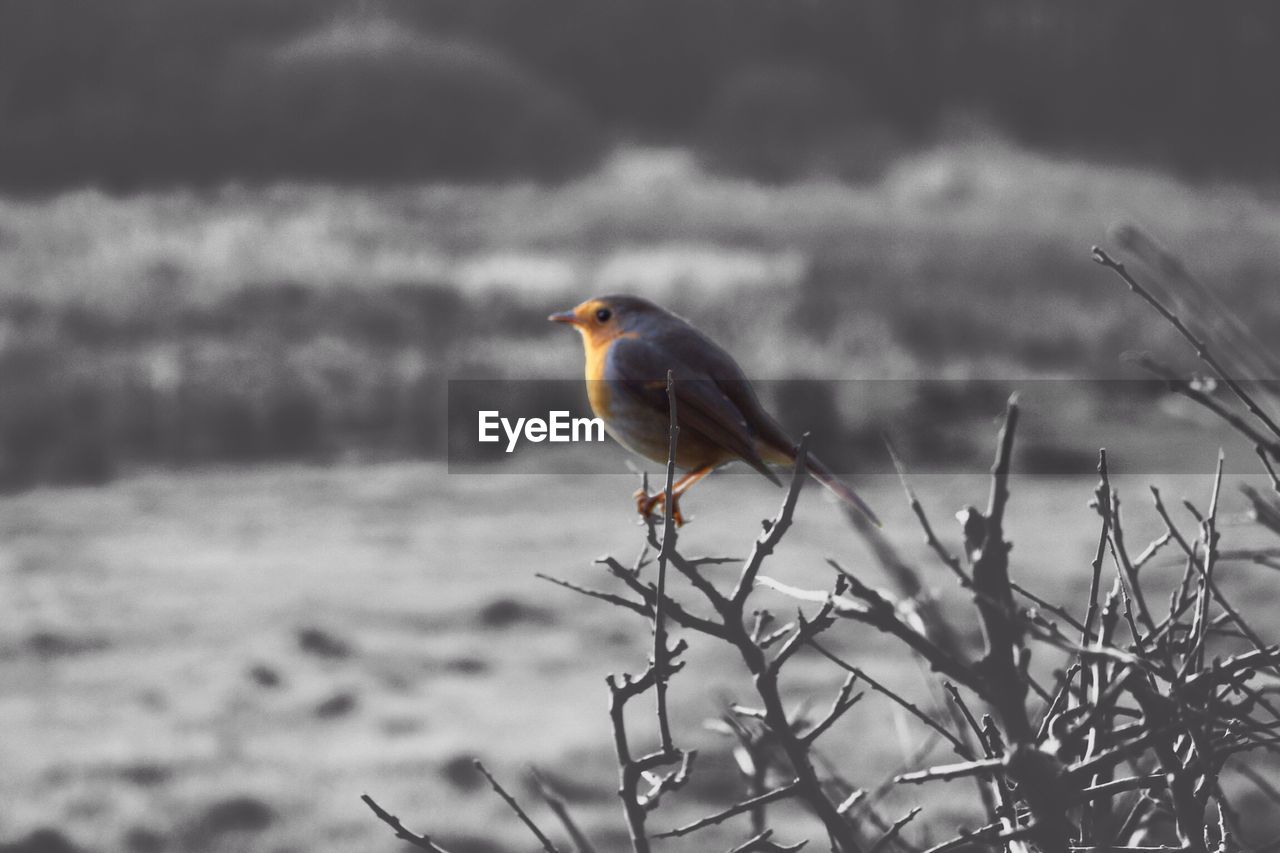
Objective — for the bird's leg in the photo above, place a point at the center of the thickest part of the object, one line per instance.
(646, 503)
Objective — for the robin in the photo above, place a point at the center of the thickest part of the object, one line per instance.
(630, 345)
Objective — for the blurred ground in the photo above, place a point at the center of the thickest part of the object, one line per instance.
(225, 661)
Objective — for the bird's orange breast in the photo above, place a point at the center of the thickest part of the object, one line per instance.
(636, 424)
(597, 349)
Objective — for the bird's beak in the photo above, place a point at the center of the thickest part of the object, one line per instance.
(564, 317)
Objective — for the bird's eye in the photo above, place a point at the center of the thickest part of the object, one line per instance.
(603, 315)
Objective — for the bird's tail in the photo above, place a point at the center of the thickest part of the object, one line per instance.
(839, 488)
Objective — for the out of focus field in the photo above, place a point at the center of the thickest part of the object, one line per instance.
(225, 661)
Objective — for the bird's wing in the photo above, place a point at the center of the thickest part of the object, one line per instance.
(638, 369)
(692, 346)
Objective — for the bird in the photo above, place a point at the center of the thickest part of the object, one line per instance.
(630, 345)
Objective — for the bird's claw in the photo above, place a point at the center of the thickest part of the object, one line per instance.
(647, 503)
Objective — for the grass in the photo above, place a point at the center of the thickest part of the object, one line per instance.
(143, 616)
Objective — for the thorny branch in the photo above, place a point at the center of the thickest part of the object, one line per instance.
(422, 842)
(1201, 347)
(547, 791)
(546, 842)
(660, 590)
(1148, 712)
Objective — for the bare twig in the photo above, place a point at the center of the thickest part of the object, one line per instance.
(1048, 606)
(1181, 385)
(782, 793)
(422, 842)
(546, 842)
(947, 772)
(774, 530)
(895, 830)
(664, 556)
(843, 702)
(931, 539)
(1209, 535)
(763, 841)
(560, 809)
(631, 771)
(911, 708)
(607, 597)
(672, 780)
(1003, 678)
(1201, 348)
(968, 717)
(1266, 463)
(670, 607)
(989, 832)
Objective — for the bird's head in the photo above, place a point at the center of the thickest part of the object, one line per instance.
(604, 318)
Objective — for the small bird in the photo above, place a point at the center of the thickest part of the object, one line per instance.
(630, 345)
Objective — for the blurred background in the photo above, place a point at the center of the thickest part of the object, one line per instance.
(246, 244)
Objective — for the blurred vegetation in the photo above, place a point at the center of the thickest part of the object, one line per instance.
(146, 92)
(285, 371)
(269, 372)
(314, 323)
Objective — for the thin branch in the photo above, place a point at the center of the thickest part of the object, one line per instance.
(1059, 701)
(670, 607)
(662, 783)
(660, 594)
(1266, 463)
(1152, 549)
(422, 842)
(1004, 681)
(1181, 385)
(607, 597)
(806, 629)
(880, 613)
(865, 801)
(560, 809)
(1209, 535)
(546, 842)
(774, 530)
(989, 832)
(948, 559)
(761, 841)
(630, 771)
(1048, 606)
(1127, 568)
(788, 790)
(947, 772)
(968, 717)
(895, 830)
(1169, 526)
(843, 702)
(957, 744)
(1201, 348)
(1147, 782)
(1103, 497)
